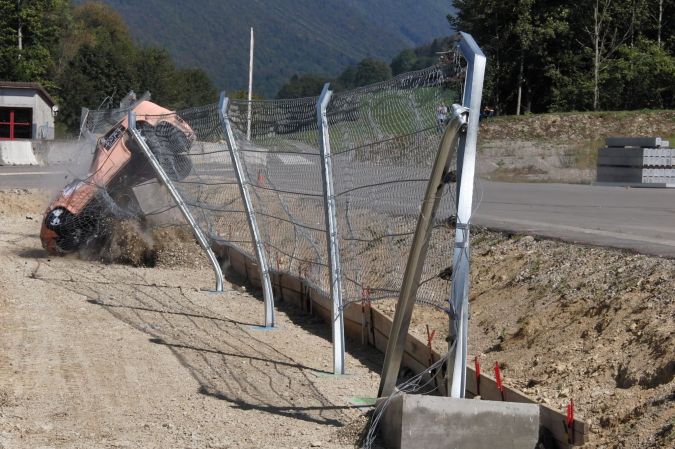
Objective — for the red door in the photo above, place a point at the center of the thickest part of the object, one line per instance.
(16, 123)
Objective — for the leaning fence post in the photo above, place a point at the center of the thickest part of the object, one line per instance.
(242, 180)
(164, 179)
(337, 317)
(459, 299)
(418, 251)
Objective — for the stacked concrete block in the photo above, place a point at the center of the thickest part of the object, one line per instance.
(636, 161)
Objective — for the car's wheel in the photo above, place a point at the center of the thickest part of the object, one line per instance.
(170, 145)
(172, 138)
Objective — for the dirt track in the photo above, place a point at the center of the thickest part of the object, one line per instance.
(110, 356)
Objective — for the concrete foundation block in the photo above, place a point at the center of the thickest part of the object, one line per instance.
(434, 422)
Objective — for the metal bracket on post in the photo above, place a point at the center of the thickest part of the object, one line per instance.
(418, 252)
(331, 233)
(164, 179)
(459, 299)
(242, 180)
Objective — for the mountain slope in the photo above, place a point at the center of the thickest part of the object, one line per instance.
(292, 36)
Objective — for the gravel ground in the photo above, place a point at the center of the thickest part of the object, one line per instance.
(96, 355)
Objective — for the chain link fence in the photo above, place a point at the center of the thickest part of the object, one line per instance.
(383, 138)
(282, 163)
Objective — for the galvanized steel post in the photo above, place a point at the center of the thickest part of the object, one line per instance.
(164, 179)
(459, 299)
(331, 233)
(242, 180)
(418, 252)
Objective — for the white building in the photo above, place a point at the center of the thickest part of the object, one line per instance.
(26, 112)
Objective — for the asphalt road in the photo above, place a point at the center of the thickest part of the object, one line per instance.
(33, 177)
(639, 219)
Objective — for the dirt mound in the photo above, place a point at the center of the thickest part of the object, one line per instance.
(17, 202)
(130, 244)
(579, 127)
(572, 322)
(559, 147)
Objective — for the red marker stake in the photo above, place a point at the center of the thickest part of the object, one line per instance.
(430, 337)
(498, 377)
(570, 422)
(476, 364)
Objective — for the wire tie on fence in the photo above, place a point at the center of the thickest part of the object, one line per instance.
(465, 234)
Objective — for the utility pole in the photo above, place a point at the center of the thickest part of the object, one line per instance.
(19, 30)
(658, 37)
(250, 87)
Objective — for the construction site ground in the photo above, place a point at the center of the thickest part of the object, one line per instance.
(106, 355)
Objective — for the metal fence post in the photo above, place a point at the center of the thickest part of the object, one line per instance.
(418, 252)
(459, 299)
(242, 180)
(331, 233)
(164, 179)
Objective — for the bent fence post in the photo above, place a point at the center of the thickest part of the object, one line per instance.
(242, 180)
(164, 179)
(459, 299)
(418, 251)
(337, 318)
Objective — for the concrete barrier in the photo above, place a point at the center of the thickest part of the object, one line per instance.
(17, 152)
(62, 152)
(434, 422)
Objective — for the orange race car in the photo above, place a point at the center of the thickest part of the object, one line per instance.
(79, 214)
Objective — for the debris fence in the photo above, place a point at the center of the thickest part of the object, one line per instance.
(383, 142)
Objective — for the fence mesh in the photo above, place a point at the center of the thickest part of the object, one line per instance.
(384, 139)
(282, 161)
(121, 186)
(198, 162)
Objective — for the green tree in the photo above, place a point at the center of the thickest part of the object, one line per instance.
(643, 75)
(404, 62)
(370, 71)
(563, 55)
(30, 31)
(302, 86)
(104, 63)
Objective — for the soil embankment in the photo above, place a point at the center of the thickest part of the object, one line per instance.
(559, 147)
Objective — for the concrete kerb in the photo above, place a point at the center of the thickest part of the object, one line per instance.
(377, 328)
(435, 422)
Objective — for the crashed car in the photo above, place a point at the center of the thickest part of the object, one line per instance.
(82, 210)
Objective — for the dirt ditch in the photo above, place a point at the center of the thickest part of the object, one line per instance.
(568, 322)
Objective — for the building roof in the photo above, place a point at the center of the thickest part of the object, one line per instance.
(33, 86)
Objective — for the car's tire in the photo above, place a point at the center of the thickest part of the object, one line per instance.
(170, 146)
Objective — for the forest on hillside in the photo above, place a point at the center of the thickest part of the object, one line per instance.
(543, 56)
(85, 56)
(292, 36)
(548, 56)
(555, 55)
